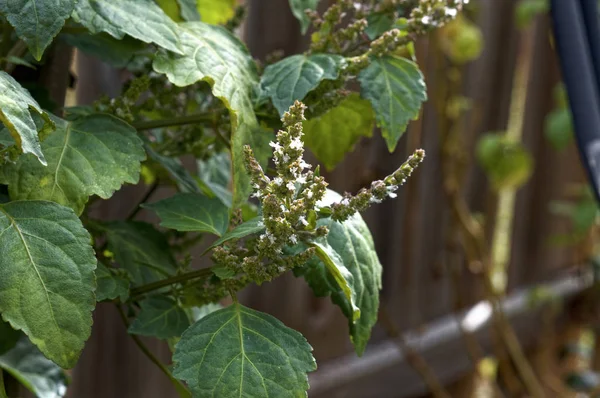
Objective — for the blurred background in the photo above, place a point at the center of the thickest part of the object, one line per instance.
(494, 69)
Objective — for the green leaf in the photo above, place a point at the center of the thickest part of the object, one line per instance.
(349, 248)
(160, 317)
(214, 55)
(92, 155)
(298, 7)
(8, 337)
(396, 89)
(111, 285)
(215, 174)
(37, 22)
(378, 23)
(117, 53)
(332, 135)
(237, 351)
(558, 128)
(16, 105)
(140, 19)
(216, 12)
(248, 228)
(141, 250)
(293, 77)
(507, 164)
(184, 180)
(34, 371)
(47, 285)
(200, 312)
(192, 212)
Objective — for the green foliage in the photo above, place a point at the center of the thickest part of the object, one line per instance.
(248, 228)
(118, 53)
(506, 163)
(8, 337)
(215, 175)
(298, 9)
(111, 284)
(332, 135)
(461, 40)
(216, 11)
(37, 22)
(558, 127)
(237, 351)
(93, 155)
(292, 78)
(527, 10)
(47, 285)
(161, 317)
(396, 89)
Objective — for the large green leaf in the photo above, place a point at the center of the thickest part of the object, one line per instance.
(298, 9)
(141, 250)
(192, 212)
(37, 22)
(93, 155)
(293, 77)
(47, 285)
(180, 10)
(350, 247)
(34, 371)
(396, 89)
(117, 53)
(141, 19)
(161, 317)
(247, 228)
(332, 135)
(239, 352)
(8, 337)
(111, 285)
(15, 106)
(213, 54)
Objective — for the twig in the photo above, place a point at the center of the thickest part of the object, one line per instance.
(143, 200)
(176, 121)
(414, 359)
(201, 273)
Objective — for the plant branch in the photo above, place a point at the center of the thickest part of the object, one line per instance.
(143, 200)
(176, 121)
(414, 359)
(201, 273)
(181, 389)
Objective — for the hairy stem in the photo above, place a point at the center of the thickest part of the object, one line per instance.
(181, 389)
(176, 121)
(201, 273)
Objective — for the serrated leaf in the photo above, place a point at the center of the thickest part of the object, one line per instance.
(350, 247)
(396, 89)
(335, 133)
(34, 371)
(216, 12)
(160, 317)
(117, 53)
(47, 285)
(140, 249)
(237, 351)
(37, 22)
(140, 19)
(215, 174)
(298, 9)
(92, 155)
(8, 337)
(184, 180)
(378, 23)
(110, 285)
(293, 77)
(247, 228)
(15, 106)
(213, 54)
(192, 212)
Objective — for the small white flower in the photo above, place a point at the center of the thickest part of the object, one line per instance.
(270, 237)
(450, 12)
(392, 195)
(304, 165)
(426, 20)
(303, 221)
(309, 194)
(286, 158)
(282, 207)
(278, 181)
(290, 185)
(345, 202)
(280, 269)
(293, 239)
(375, 200)
(275, 145)
(296, 144)
(301, 180)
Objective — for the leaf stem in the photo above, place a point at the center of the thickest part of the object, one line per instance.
(143, 200)
(181, 389)
(176, 121)
(2, 389)
(201, 273)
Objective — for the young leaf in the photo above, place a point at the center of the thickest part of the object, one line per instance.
(140, 19)
(215, 174)
(188, 9)
(293, 77)
(237, 351)
(298, 9)
(214, 55)
(110, 285)
(349, 246)
(93, 155)
(216, 12)
(37, 22)
(248, 228)
(47, 285)
(15, 106)
(160, 317)
(35, 372)
(8, 337)
(332, 135)
(184, 180)
(396, 89)
(141, 250)
(192, 212)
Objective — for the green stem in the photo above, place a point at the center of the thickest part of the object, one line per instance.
(176, 121)
(181, 389)
(2, 390)
(137, 208)
(201, 273)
